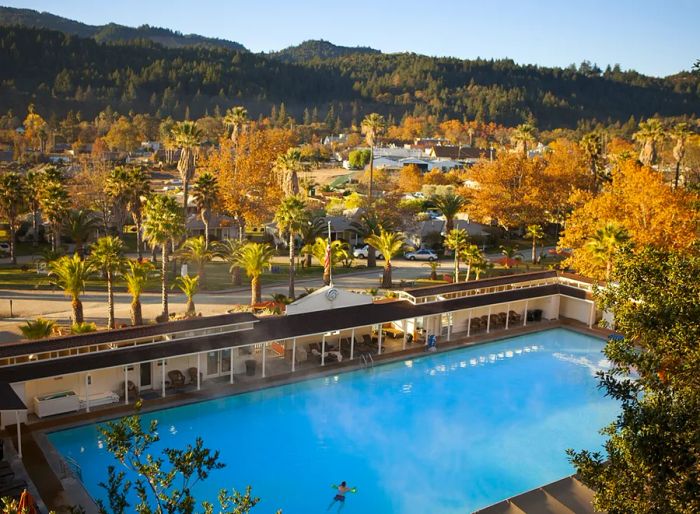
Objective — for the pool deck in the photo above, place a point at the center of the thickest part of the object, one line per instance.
(59, 487)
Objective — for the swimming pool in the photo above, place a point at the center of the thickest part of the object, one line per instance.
(443, 433)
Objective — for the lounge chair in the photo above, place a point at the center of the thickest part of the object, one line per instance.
(177, 378)
(192, 373)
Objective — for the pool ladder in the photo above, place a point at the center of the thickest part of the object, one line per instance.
(367, 360)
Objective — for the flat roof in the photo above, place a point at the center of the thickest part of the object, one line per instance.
(9, 399)
(420, 292)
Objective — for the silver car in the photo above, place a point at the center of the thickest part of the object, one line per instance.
(423, 254)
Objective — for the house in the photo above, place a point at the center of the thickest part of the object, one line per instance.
(220, 227)
(387, 163)
(465, 154)
(421, 164)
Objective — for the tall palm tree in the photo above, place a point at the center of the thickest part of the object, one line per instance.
(228, 250)
(449, 205)
(680, 134)
(196, 251)
(369, 225)
(79, 225)
(70, 273)
(108, 255)
(162, 223)
(187, 137)
(288, 166)
(535, 233)
(136, 277)
(309, 232)
(236, 118)
(592, 146)
(389, 245)
(254, 258)
(130, 187)
(189, 286)
(291, 218)
(206, 196)
(603, 245)
(471, 255)
(340, 250)
(34, 182)
(649, 134)
(524, 136)
(456, 240)
(54, 204)
(373, 126)
(13, 203)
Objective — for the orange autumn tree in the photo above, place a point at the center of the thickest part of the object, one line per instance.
(638, 200)
(250, 186)
(410, 179)
(565, 172)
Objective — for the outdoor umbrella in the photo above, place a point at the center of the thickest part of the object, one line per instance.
(26, 503)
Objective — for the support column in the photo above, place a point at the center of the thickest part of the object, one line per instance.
(507, 315)
(404, 327)
(323, 350)
(294, 354)
(449, 326)
(469, 323)
(488, 321)
(87, 392)
(199, 372)
(230, 358)
(591, 318)
(126, 385)
(352, 344)
(525, 315)
(162, 377)
(264, 351)
(19, 435)
(379, 340)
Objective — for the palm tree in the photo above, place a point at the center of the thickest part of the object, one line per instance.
(254, 258)
(605, 243)
(187, 136)
(228, 250)
(162, 223)
(535, 233)
(291, 218)
(79, 225)
(369, 225)
(523, 136)
(189, 286)
(13, 203)
(136, 277)
(372, 127)
(130, 187)
(449, 205)
(457, 240)
(108, 255)
(680, 134)
(389, 245)
(308, 234)
(206, 196)
(235, 119)
(40, 328)
(511, 256)
(650, 133)
(54, 204)
(471, 255)
(196, 251)
(340, 250)
(592, 146)
(34, 182)
(71, 274)
(288, 165)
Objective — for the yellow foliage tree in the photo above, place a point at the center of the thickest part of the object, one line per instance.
(638, 200)
(410, 179)
(566, 171)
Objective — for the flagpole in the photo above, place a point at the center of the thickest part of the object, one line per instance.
(330, 257)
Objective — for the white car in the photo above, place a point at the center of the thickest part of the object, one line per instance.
(5, 247)
(363, 253)
(423, 254)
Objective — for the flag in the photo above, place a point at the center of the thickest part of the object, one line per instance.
(327, 259)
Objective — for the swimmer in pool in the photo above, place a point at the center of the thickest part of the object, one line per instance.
(340, 495)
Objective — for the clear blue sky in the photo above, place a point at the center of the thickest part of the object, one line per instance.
(656, 37)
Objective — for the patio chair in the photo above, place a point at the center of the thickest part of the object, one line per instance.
(133, 390)
(192, 373)
(177, 379)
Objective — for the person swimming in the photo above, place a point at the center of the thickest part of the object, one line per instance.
(340, 495)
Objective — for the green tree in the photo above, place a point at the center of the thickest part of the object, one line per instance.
(54, 204)
(449, 205)
(389, 245)
(457, 240)
(187, 136)
(650, 133)
(162, 224)
(511, 256)
(680, 134)
(340, 251)
(130, 187)
(70, 273)
(373, 125)
(605, 243)
(228, 250)
(108, 256)
(195, 250)
(40, 328)
(34, 182)
(310, 232)
(471, 255)
(163, 485)
(254, 258)
(369, 225)
(291, 218)
(206, 196)
(189, 286)
(13, 203)
(535, 233)
(652, 452)
(79, 225)
(136, 278)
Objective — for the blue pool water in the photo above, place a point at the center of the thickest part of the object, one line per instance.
(445, 433)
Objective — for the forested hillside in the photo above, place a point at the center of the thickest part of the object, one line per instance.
(317, 50)
(59, 72)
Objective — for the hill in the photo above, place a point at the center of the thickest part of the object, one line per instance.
(318, 49)
(110, 32)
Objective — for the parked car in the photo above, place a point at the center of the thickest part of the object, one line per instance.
(4, 247)
(363, 252)
(423, 254)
